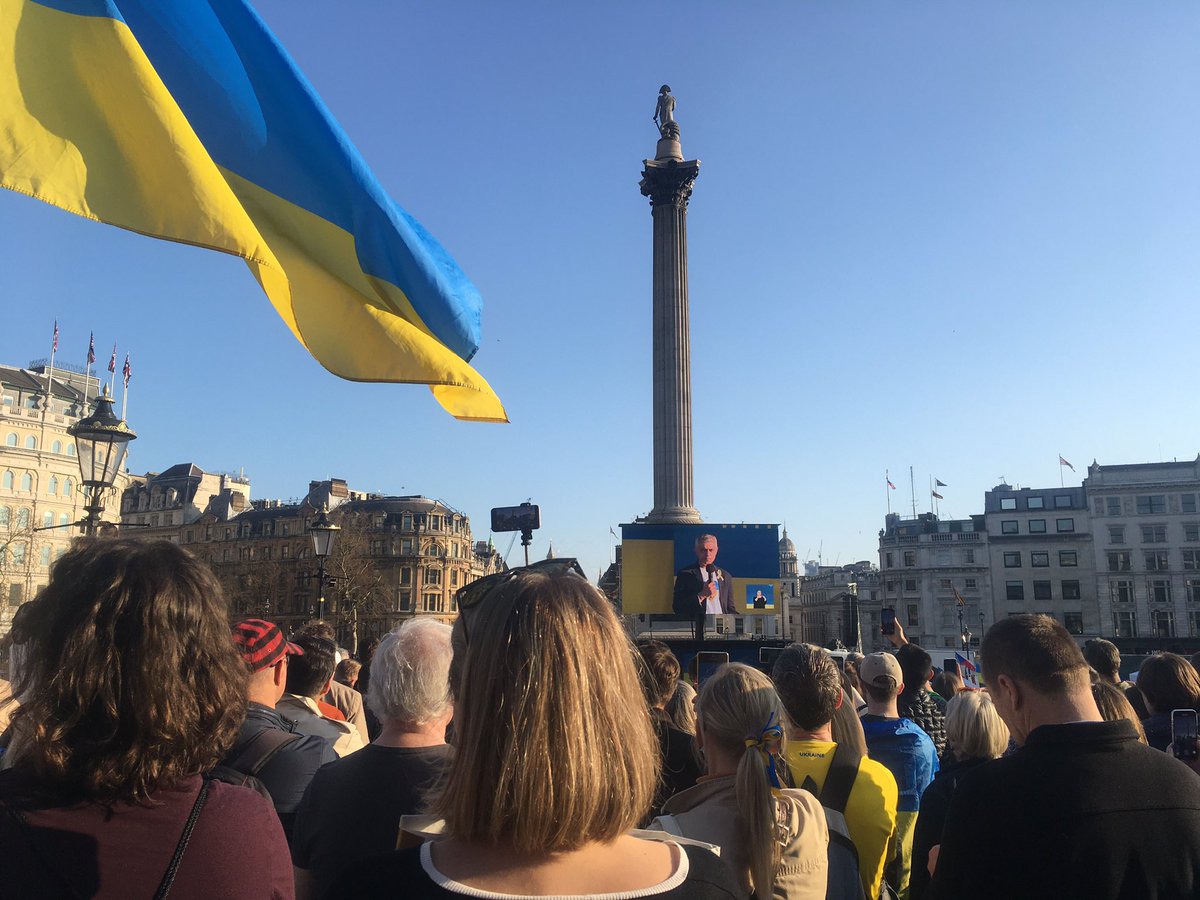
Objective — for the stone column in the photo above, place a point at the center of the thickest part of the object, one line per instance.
(667, 180)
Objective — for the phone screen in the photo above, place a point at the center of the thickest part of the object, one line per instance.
(887, 620)
(950, 664)
(707, 663)
(1183, 734)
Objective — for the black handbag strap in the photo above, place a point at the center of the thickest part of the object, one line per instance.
(839, 780)
(168, 878)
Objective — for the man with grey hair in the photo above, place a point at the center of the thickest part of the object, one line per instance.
(352, 808)
(704, 588)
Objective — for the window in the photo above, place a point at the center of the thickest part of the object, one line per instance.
(22, 519)
(1064, 525)
(888, 560)
(1156, 561)
(910, 557)
(1192, 589)
(285, 552)
(1121, 591)
(10, 440)
(1014, 590)
(910, 584)
(1070, 590)
(945, 584)
(1008, 503)
(1012, 560)
(18, 554)
(969, 557)
(56, 447)
(1194, 621)
(68, 488)
(1113, 505)
(454, 578)
(1124, 624)
(1191, 559)
(969, 584)
(1120, 560)
(7, 481)
(1191, 531)
(1073, 622)
(31, 443)
(63, 519)
(406, 522)
(1041, 590)
(53, 485)
(1154, 534)
(914, 616)
(47, 519)
(1009, 526)
(1039, 560)
(1159, 590)
(15, 593)
(406, 546)
(1187, 504)
(891, 586)
(1116, 534)
(70, 449)
(1151, 504)
(435, 522)
(1037, 526)
(5, 515)
(404, 601)
(1068, 558)
(27, 482)
(1035, 503)
(1062, 501)
(1163, 623)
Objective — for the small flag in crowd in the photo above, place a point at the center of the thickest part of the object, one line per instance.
(937, 482)
(126, 372)
(112, 360)
(1063, 462)
(91, 348)
(54, 346)
(937, 496)
(966, 668)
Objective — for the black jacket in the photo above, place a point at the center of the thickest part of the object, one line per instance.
(1082, 810)
(927, 833)
(929, 711)
(688, 586)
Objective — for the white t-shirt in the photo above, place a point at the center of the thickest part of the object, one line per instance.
(712, 606)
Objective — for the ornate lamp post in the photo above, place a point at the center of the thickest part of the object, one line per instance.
(102, 441)
(324, 535)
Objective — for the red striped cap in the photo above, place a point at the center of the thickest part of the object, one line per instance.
(261, 643)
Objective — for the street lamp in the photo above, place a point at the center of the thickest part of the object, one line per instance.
(324, 535)
(101, 440)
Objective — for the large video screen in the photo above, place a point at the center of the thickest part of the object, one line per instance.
(651, 555)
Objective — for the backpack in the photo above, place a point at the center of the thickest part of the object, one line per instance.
(242, 767)
(845, 881)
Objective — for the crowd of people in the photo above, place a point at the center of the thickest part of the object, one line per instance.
(153, 748)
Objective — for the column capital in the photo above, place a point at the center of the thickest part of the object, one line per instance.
(669, 182)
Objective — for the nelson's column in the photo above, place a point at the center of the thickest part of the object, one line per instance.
(667, 180)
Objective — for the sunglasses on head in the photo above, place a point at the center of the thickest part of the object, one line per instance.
(472, 595)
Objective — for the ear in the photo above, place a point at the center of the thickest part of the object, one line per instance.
(1013, 694)
(280, 672)
(328, 685)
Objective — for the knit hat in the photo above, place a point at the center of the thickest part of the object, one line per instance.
(262, 643)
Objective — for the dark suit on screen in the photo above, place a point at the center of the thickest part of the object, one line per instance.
(689, 584)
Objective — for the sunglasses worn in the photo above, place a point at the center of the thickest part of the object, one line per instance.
(472, 595)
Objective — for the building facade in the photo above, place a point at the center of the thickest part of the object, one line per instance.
(837, 604)
(925, 565)
(1146, 550)
(41, 498)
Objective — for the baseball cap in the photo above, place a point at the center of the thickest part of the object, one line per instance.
(877, 667)
(262, 643)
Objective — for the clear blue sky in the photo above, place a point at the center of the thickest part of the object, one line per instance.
(959, 236)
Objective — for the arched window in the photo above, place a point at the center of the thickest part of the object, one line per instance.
(56, 446)
(5, 515)
(45, 560)
(22, 519)
(27, 482)
(47, 519)
(63, 519)
(70, 449)
(7, 481)
(31, 443)
(10, 440)
(53, 484)
(68, 488)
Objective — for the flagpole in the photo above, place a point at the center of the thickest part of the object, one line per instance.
(887, 489)
(912, 490)
(1061, 482)
(112, 368)
(49, 383)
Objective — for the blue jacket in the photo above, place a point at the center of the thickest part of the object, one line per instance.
(908, 753)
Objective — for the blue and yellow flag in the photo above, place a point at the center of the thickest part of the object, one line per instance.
(186, 120)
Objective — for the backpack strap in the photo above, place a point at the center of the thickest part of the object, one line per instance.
(259, 750)
(168, 878)
(839, 780)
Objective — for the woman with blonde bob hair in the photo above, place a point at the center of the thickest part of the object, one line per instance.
(555, 758)
(773, 838)
(975, 735)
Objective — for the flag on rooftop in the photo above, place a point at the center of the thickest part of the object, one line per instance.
(188, 121)
(91, 348)
(1063, 462)
(126, 372)
(937, 482)
(892, 486)
(54, 346)
(112, 360)
(937, 495)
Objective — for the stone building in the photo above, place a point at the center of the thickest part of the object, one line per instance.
(1146, 550)
(1039, 545)
(838, 603)
(922, 562)
(394, 557)
(40, 494)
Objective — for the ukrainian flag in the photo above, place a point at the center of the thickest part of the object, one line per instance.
(186, 120)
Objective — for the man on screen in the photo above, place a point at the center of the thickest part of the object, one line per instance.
(703, 589)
